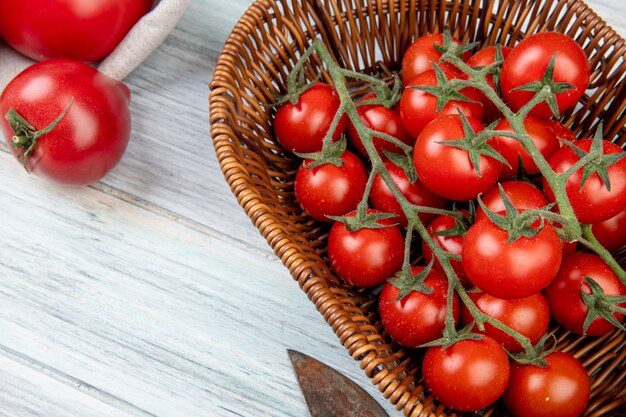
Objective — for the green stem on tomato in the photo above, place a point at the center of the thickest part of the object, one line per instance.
(589, 240)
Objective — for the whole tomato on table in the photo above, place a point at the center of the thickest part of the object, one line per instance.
(85, 30)
(87, 141)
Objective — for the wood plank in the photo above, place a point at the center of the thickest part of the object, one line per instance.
(148, 311)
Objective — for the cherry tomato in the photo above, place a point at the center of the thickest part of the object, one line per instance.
(467, 376)
(418, 108)
(510, 270)
(366, 257)
(72, 29)
(92, 136)
(562, 132)
(330, 190)
(593, 203)
(447, 170)
(529, 316)
(421, 54)
(380, 119)
(522, 195)
(382, 199)
(561, 389)
(528, 61)
(611, 233)
(452, 244)
(564, 292)
(301, 127)
(512, 150)
(482, 58)
(417, 318)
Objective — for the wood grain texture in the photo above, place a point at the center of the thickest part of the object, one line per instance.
(151, 293)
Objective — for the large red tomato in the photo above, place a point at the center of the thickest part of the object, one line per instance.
(85, 30)
(528, 61)
(561, 389)
(467, 376)
(90, 138)
(368, 256)
(564, 292)
(447, 170)
(593, 202)
(301, 127)
(417, 318)
(510, 269)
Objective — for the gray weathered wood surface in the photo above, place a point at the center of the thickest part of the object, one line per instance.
(151, 293)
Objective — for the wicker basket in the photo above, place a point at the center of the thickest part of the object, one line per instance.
(371, 36)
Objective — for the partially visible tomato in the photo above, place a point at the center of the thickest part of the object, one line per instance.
(527, 62)
(330, 190)
(510, 270)
(483, 58)
(564, 292)
(522, 195)
(72, 29)
(611, 233)
(561, 389)
(452, 244)
(448, 170)
(421, 54)
(89, 140)
(467, 376)
(366, 257)
(562, 132)
(417, 318)
(418, 108)
(593, 202)
(301, 127)
(381, 119)
(382, 199)
(512, 150)
(529, 316)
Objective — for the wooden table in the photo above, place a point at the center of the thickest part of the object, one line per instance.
(150, 293)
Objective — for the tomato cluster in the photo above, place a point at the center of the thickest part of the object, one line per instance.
(63, 119)
(467, 157)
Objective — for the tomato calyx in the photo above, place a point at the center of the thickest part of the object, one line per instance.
(26, 135)
(475, 144)
(330, 154)
(451, 336)
(364, 220)
(546, 89)
(462, 222)
(593, 162)
(385, 96)
(600, 305)
(537, 354)
(445, 90)
(451, 49)
(406, 282)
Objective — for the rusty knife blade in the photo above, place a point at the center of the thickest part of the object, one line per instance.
(329, 393)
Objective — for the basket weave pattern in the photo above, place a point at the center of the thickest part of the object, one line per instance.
(371, 36)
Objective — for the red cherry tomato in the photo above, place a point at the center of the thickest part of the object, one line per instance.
(421, 54)
(301, 127)
(509, 270)
(561, 389)
(564, 292)
(562, 132)
(611, 233)
(593, 203)
(417, 318)
(382, 199)
(529, 316)
(330, 190)
(92, 136)
(482, 58)
(522, 195)
(528, 61)
(452, 244)
(418, 108)
(512, 150)
(366, 257)
(447, 170)
(72, 29)
(380, 119)
(467, 376)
